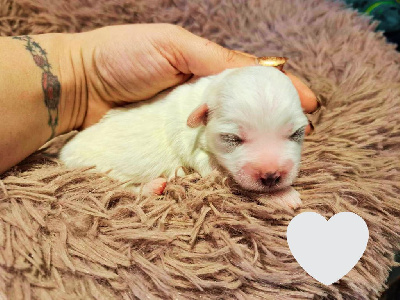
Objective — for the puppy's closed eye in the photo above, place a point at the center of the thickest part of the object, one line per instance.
(231, 139)
(298, 135)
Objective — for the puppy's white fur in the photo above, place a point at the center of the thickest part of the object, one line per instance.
(146, 140)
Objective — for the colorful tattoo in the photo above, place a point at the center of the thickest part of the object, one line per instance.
(50, 84)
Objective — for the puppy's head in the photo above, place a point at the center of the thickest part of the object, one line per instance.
(254, 126)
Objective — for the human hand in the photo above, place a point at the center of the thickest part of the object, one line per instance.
(128, 63)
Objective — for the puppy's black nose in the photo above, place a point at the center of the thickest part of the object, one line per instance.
(270, 179)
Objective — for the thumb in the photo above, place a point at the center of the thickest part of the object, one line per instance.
(202, 57)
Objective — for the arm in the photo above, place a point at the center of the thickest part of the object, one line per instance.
(37, 93)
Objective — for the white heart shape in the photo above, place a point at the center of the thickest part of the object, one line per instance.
(327, 250)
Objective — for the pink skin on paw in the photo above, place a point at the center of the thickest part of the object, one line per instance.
(155, 187)
(289, 197)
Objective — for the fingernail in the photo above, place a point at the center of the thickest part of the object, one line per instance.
(272, 61)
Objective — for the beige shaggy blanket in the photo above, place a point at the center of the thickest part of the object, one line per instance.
(72, 234)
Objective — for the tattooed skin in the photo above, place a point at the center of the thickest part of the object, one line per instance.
(50, 83)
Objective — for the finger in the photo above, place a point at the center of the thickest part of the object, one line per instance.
(202, 57)
(309, 128)
(245, 54)
(307, 97)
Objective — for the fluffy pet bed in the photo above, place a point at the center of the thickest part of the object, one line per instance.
(73, 234)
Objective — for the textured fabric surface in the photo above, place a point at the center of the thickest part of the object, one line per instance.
(73, 234)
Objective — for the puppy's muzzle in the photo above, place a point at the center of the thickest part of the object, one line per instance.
(270, 179)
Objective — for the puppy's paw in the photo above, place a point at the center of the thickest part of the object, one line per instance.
(154, 187)
(289, 197)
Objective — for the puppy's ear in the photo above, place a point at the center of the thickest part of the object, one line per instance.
(198, 116)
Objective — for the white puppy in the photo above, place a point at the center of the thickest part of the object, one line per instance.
(247, 122)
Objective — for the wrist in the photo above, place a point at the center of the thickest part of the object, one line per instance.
(42, 92)
(63, 80)
(95, 100)
(73, 80)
